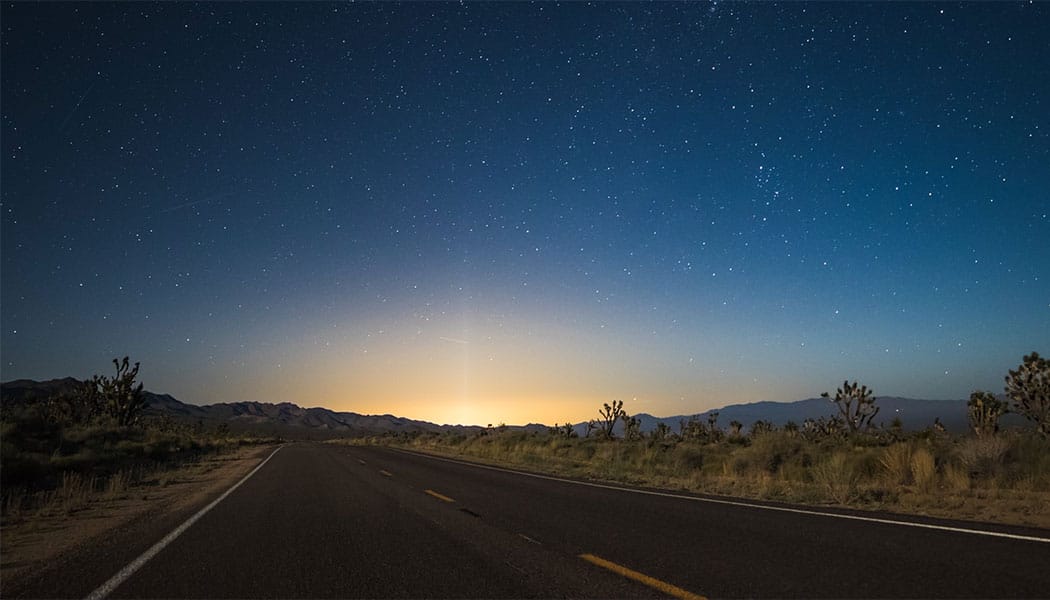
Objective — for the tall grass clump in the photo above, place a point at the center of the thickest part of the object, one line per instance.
(896, 461)
(838, 476)
(923, 470)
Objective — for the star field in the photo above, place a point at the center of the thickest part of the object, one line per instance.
(513, 212)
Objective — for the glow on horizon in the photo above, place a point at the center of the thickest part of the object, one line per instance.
(466, 369)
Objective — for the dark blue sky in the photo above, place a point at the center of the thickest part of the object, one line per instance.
(512, 212)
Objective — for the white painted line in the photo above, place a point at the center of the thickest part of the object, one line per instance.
(801, 511)
(107, 588)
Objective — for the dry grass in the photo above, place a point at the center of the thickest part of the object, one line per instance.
(923, 470)
(896, 464)
(838, 476)
(1003, 479)
(118, 483)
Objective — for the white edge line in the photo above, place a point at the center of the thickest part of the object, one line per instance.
(1012, 536)
(107, 588)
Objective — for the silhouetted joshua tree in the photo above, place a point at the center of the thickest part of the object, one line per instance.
(856, 405)
(1029, 389)
(984, 410)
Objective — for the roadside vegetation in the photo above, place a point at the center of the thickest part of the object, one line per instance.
(62, 453)
(841, 459)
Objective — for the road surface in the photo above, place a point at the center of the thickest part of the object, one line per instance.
(328, 521)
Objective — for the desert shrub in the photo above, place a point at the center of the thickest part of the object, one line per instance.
(19, 468)
(982, 457)
(838, 476)
(688, 457)
(1027, 459)
(82, 460)
(769, 451)
(739, 464)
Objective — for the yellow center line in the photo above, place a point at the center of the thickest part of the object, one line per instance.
(439, 496)
(387, 473)
(656, 584)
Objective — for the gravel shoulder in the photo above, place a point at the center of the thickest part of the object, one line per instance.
(37, 545)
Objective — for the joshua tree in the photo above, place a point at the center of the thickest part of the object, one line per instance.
(712, 420)
(565, 430)
(592, 426)
(83, 405)
(984, 410)
(631, 427)
(1029, 389)
(693, 429)
(735, 427)
(759, 427)
(661, 432)
(609, 414)
(118, 396)
(856, 405)
(823, 427)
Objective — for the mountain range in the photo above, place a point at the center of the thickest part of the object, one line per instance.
(284, 419)
(295, 422)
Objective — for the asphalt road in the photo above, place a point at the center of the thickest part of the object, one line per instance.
(325, 521)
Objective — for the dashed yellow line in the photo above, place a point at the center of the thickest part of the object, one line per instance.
(386, 473)
(439, 496)
(656, 584)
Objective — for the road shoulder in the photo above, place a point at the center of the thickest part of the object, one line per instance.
(44, 548)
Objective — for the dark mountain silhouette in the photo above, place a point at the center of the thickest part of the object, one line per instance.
(22, 391)
(914, 414)
(284, 419)
(293, 421)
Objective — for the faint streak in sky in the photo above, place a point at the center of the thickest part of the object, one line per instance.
(196, 202)
(79, 102)
(454, 340)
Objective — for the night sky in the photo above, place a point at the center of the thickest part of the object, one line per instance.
(514, 212)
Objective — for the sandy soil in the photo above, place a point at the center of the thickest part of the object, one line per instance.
(36, 540)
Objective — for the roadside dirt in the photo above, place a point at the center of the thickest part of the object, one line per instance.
(35, 541)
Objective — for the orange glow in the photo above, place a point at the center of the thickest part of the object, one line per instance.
(514, 373)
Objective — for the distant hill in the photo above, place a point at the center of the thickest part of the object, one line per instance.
(285, 419)
(295, 422)
(914, 414)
